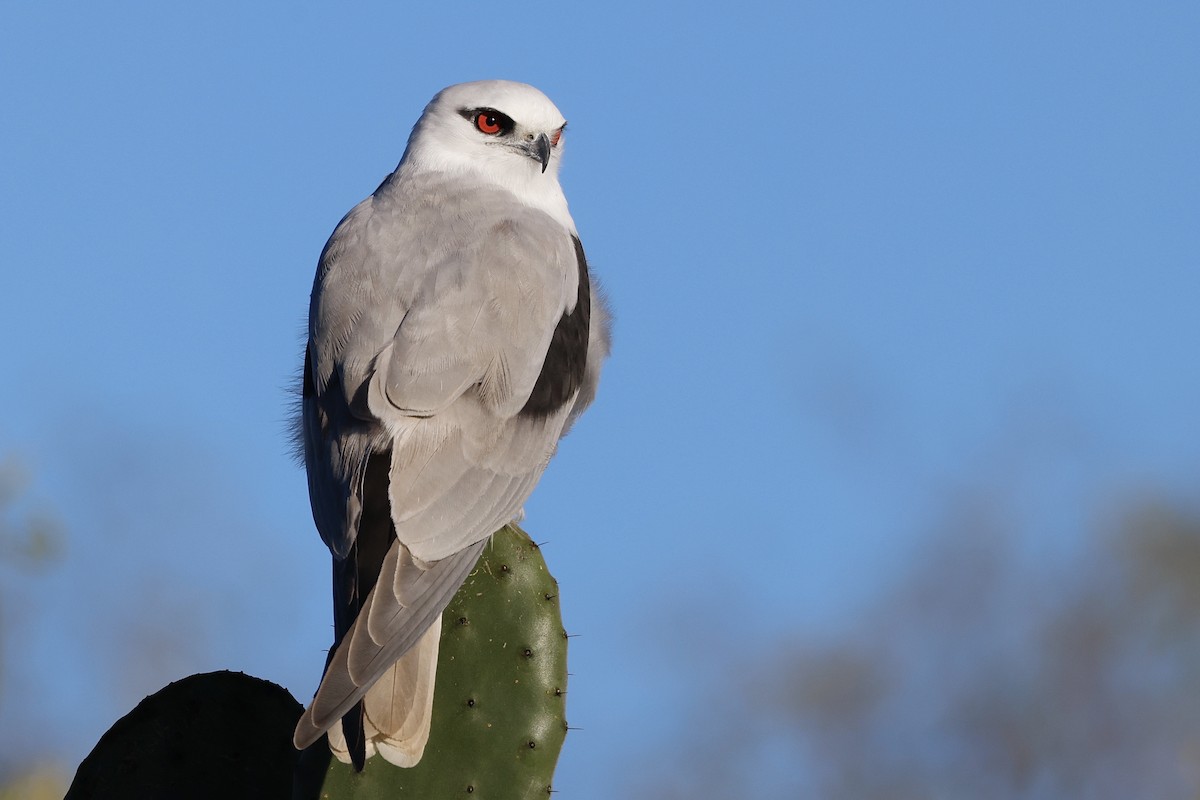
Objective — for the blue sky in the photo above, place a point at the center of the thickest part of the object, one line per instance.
(860, 255)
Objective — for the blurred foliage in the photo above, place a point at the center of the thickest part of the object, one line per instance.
(28, 538)
(987, 671)
(43, 783)
(31, 539)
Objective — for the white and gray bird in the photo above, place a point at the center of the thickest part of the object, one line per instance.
(454, 336)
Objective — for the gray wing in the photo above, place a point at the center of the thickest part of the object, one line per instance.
(433, 311)
(421, 334)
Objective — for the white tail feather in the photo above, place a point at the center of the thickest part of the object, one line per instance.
(398, 708)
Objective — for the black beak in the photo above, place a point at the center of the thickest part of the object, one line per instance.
(541, 150)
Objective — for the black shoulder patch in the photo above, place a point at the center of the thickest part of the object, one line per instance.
(562, 371)
(308, 389)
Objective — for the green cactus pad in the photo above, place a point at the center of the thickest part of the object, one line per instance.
(498, 707)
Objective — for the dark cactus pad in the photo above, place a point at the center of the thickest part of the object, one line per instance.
(219, 734)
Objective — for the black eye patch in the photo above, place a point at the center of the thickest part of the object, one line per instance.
(488, 121)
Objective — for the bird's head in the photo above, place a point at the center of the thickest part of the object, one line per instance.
(505, 132)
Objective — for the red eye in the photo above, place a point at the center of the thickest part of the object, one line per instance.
(555, 137)
(487, 123)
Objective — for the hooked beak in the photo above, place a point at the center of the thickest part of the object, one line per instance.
(539, 150)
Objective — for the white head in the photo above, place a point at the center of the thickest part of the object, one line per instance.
(498, 127)
(506, 133)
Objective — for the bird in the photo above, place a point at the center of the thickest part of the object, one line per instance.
(455, 334)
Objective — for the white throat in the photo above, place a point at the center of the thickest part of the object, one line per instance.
(522, 177)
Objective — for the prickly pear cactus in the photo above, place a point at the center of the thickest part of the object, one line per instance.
(498, 706)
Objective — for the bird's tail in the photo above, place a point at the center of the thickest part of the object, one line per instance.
(398, 708)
